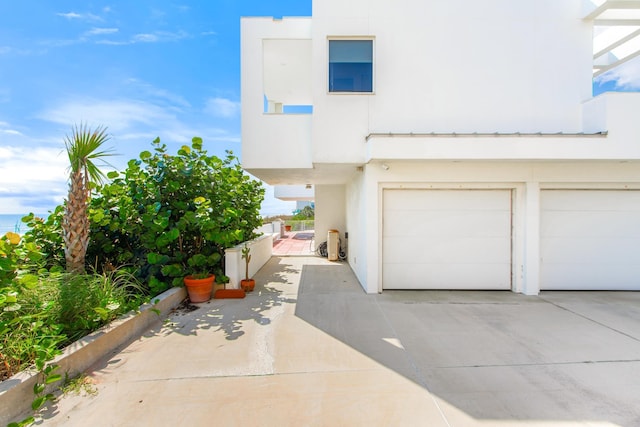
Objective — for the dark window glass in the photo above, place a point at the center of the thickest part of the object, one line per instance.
(350, 66)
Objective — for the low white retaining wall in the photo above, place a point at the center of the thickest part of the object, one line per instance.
(261, 251)
(16, 393)
(276, 228)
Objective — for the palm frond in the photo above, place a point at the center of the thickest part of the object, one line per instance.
(84, 151)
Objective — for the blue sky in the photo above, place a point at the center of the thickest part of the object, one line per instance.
(142, 68)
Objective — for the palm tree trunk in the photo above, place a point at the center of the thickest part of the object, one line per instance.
(75, 225)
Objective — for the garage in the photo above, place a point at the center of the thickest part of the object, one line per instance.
(590, 240)
(446, 239)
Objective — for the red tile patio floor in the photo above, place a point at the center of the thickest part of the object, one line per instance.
(295, 243)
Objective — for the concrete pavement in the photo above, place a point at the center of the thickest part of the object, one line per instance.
(309, 348)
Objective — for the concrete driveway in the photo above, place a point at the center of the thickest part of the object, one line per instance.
(309, 348)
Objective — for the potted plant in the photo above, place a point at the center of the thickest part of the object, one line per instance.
(199, 283)
(247, 284)
(222, 291)
(227, 293)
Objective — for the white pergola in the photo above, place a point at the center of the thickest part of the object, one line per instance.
(616, 36)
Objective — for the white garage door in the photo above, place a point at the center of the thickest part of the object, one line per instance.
(590, 240)
(446, 239)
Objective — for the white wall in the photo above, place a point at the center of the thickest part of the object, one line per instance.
(293, 192)
(270, 140)
(453, 66)
(330, 211)
(356, 221)
(615, 112)
(261, 251)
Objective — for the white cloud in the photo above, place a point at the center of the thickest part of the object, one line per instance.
(118, 115)
(70, 15)
(101, 31)
(80, 16)
(6, 50)
(222, 107)
(625, 76)
(173, 101)
(9, 131)
(134, 123)
(169, 36)
(155, 37)
(272, 206)
(113, 42)
(31, 179)
(144, 38)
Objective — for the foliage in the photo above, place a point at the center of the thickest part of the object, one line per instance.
(168, 216)
(46, 234)
(81, 385)
(50, 310)
(305, 213)
(83, 150)
(89, 301)
(275, 218)
(29, 331)
(164, 217)
(27, 335)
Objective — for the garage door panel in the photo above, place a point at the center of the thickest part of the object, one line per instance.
(450, 276)
(439, 200)
(591, 224)
(442, 250)
(449, 223)
(572, 276)
(590, 200)
(590, 251)
(589, 240)
(449, 239)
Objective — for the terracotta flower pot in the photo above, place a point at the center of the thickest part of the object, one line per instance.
(247, 284)
(199, 289)
(229, 293)
(287, 228)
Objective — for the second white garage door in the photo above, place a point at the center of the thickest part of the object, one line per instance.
(590, 240)
(446, 239)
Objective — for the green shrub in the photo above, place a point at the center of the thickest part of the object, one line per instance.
(54, 309)
(28, 334)
(167, 216)
(87, 302)
(46, 234)
(29, 331)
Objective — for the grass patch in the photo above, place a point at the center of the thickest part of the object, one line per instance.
(82, 385)
(60, 309)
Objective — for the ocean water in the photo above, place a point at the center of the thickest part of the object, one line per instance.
(12, 222)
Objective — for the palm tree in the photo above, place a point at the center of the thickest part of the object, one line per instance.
(83, 150)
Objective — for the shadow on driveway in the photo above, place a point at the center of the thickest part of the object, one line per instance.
(225, 315)
(561, 356)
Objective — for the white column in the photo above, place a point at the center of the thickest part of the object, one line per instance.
(532, 239)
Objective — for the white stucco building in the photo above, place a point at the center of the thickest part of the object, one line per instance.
(457, 142)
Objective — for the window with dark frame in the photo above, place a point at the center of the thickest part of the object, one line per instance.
(351, 66)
